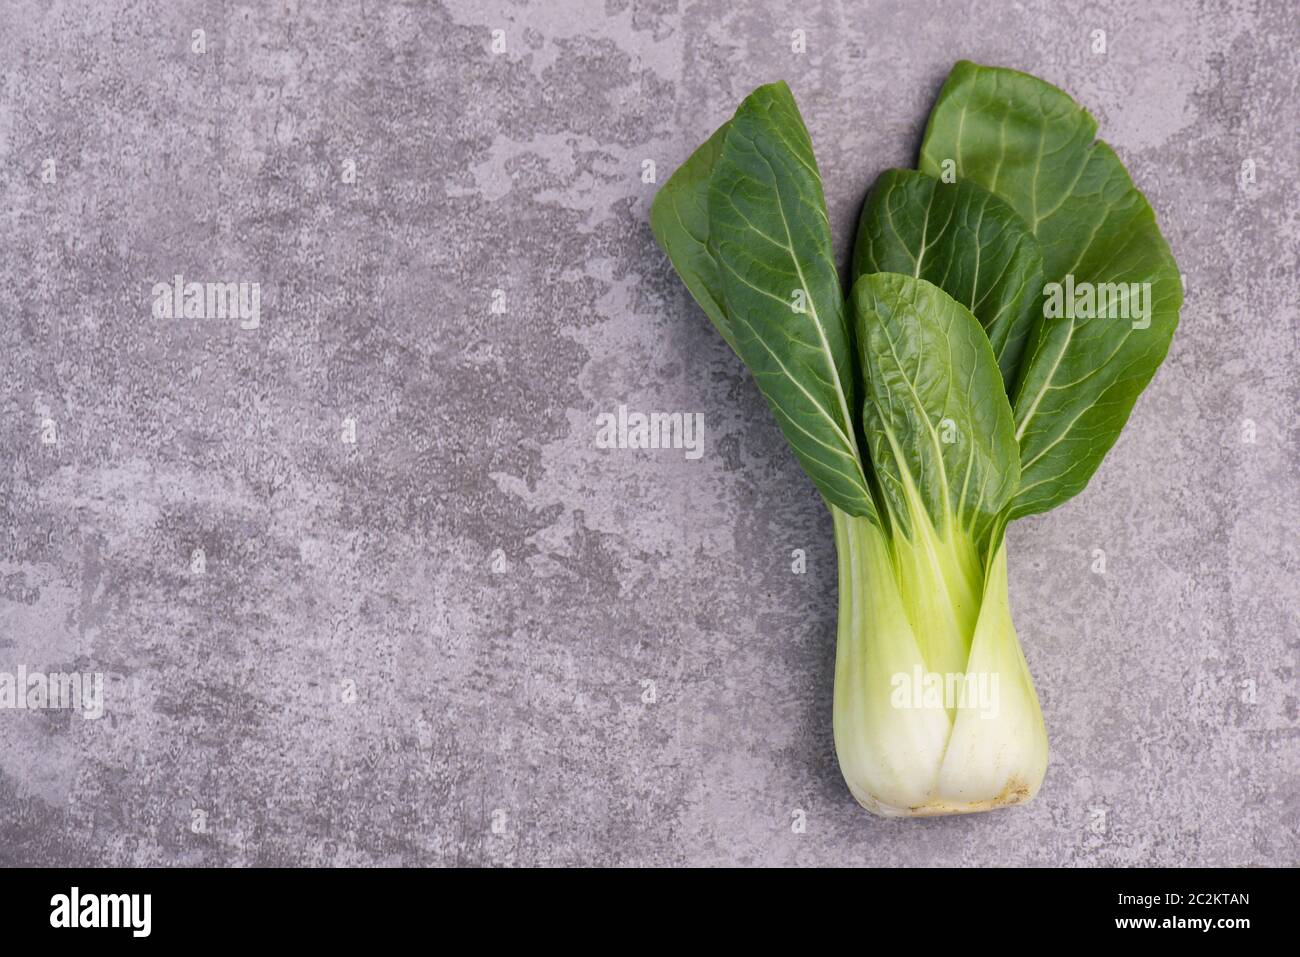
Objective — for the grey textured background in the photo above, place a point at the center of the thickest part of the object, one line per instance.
(521, 691)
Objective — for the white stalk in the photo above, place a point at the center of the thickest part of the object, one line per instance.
(974, 742)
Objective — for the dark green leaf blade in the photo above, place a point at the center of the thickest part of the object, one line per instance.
(1032, 145)
(780, 291)
(679, 219)
(966, 241)
(935, 414)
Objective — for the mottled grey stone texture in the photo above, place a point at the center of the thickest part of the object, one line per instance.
(511, 682)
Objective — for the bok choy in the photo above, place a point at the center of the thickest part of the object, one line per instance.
(1008, 302)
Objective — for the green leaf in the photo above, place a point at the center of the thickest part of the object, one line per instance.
(935, 414)
(967, 242)
(679, 218)
(780, 292)
(1032, 145)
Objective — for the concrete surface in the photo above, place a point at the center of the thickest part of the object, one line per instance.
(434, 646)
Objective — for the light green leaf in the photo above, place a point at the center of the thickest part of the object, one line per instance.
(1032, 145)
(679, 218)
(780, 292)
(935, 414)
(967, 242)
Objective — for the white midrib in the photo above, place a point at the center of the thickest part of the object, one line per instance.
(934, 436)
(920, 254)
(1033, 406)
(785, 371)
(817, 322)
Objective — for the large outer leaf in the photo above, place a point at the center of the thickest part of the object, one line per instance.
(679, 218)
(935, 414)
(1031, 144)
(780, 293)
(967, 242)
